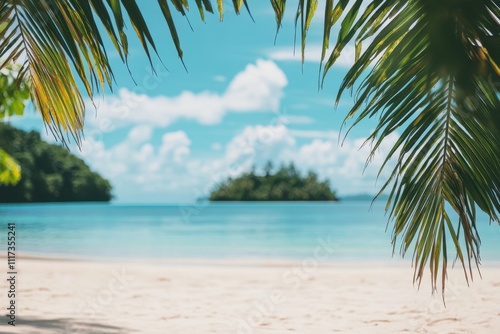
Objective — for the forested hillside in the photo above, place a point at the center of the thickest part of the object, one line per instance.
(49, 173)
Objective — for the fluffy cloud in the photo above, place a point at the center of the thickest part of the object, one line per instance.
(136, 168)
(345, 165)
(257, 144)
(259, 87)
(312, 54)
(296, 120)
(175, 147)
(140, 134)
(171, 173)
(219, 78)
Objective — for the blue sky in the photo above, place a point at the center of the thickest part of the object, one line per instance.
(243, 100)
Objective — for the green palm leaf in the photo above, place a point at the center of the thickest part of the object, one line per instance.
(53, 37)
(430, 80)
(57, 38)
(10, 171)
(13, 96)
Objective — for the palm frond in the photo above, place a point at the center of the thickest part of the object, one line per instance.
(13, 95)
(279, 7)
(53, 37)
(60, 38)
(426, 73)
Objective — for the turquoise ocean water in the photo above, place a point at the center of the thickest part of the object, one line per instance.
(352, 230)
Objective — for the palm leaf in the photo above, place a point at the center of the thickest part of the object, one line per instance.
(305, 14)
(10, 171)
(60, 38)
(430, 81)
(279, 7)
(204, 5)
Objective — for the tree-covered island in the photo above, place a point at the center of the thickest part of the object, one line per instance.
(49, 173)
(286, 184)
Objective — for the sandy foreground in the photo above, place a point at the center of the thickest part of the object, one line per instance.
(74, 296)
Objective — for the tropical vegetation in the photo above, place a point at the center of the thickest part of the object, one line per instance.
(50, 173)
(427, 70)
(286, 184)
(13, 97)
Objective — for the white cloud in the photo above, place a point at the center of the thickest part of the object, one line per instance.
(171, 173)
(343, 164)
(258, 144)
(312, 54)
(216, 146)
(137, 169)
(315, 134)
(175, 146)
(259, 87)
(288, 120)
(219, 78)
(140, 134)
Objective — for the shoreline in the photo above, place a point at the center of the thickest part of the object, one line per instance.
(395, 261)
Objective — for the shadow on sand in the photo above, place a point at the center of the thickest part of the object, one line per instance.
(30, 325)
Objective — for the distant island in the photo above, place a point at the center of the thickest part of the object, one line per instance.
(49, 173)
(286, 184)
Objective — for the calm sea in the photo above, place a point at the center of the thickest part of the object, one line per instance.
(350, 230)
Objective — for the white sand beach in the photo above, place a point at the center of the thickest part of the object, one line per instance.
(73, 296)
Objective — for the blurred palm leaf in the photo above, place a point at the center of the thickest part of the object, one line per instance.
(13, 96)
(10, 171)
(427, 73)
(430, 69)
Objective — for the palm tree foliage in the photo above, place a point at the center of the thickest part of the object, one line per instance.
(13, 96)
(432, 78)
(425, 68)
(53, 38)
